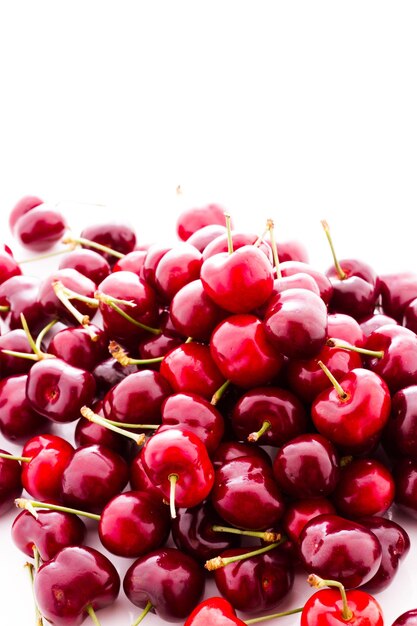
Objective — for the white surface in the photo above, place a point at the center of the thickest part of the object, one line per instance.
(298, 111)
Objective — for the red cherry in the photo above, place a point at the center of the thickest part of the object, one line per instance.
(191, 220)
(8, 267)
(289, 268)
(18, 420)
(49, 456)
(20, 294)
(132, 262)
(75, 346)
(178, 267)
(40, 228)
(345, 327)
(216, 612)
(153, 256)
(221, 244)
(114, 235)
(193, 313)
(10, 482)
(25, 204)
(205, 235)
(397, 291)
(409, 618)
(398, 363)
(52, 307)
(230, 450)
(299, 513)
(325, 608)
(88, 262)
(17, 341)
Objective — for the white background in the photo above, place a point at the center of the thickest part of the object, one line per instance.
(295, 110)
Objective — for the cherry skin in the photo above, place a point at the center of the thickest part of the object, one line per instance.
(398, 365)
(230, 450)
(137, 398)
(256, 584)
(342, 419)
(307, 467)
(325, 608)
(8, 267)
(155, 347)
(400, 435)
(132, 262)
(191, 220)
(110, 372)
(88, 262)
(10, 482)
(140, 481)
(192, 532)
(89, 433)
(295, 281)
(345, 327)
(195, 414)
(191, 368)
(58, 390)
(25, 204)
(134, 523)
(75, 346)
(239, 239)
(92, 477)
(357, 292)
(365, 487)
(41, 476)
(300, 512)
(167, 578)
(180, 453)
(114, 235)
(49, 532)
(18, 421)
(205, 235)
(216, 612)
(17, 341)
(409, 618)
(280, 408)
(405, 476)
(178, 267)
(288, 268)
(40, 228)
(153, 256)
(52, 308)
(246, 495)
(292, 250)
(296, 323)
(74, 580)
(238, 282)
(20, 294)
(395, 544)
(374, 322)
(242, 352)
(338, 549)
(397, 291)
(193, 313)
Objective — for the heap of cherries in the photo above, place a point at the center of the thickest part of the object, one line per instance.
(263, 415)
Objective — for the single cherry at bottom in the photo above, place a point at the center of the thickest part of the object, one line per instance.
(409, 618)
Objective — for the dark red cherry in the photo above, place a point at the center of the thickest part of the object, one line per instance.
(193, 313)
(256, 584)
(92, 477)
(40, 228)
(178, 267)
(398, 363)
(190, 368)
(154, 347)
(10, 482)
(409, 618)
(137, 398)
(397, 291)
(140, 481)
(405, 476)
(307, 467)
(75, 581)
(58, 390)
(41, 476)
(246, 495)
(277, 412)
(76, 346)
(52, 307)
(20, 294)
(300, 512)
(356, 293)
(18, 420)
(190, 411)
(153, 255)
(400, 435)
(133, 523)
(338, 549)
(110, 372)
(191, 220)
(114, 235)
(288, 268)
(88, 262)
(132, 262)
(17, 341)
(192, 532)
(8, 267)
(49, 532)
(171, 581)
(242, 352)
(205, 235)
(395, 544)
(25, 204)
(296, 323)
(366, 487)
(229, 450)
(89, 433)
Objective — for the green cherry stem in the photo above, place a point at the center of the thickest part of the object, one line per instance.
(340, 391)
(218, 561)
(317, 582)
(43, 333)
(135, 426)
(49, 255)
(257, 435)
(122, 357)
(229, 233)
(173, 479)
(36, 558)
(13, 457)
(62, 294)
(31, 571)
(144, 613)
(93, 615)
(271, 229)
(267, 536)
(92, 244)
(111, 302)
(337, 343)
(217, 395)
(264, 618)
(24, 503)
(4, 308)
(341, 274)
(101, 421)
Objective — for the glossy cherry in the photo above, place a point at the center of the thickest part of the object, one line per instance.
(405, 476)
(193, 313)
(205, 235)
(20, 294)
(49, 456)
(52, 307)
(345, 327)
(18, 420)
(397, 291)
(230, 450)
(398, 363)
(153, 256)
(88, 262)
(239, 239)
(76, 346)
(8, 267)
(115, 235)
(400, 434)
(140, 481)
(89, 433)
(10, 482)
(166, 581)
(409, 618)
(178, 267)
(357, 291)
(23, 206)
(40, 228)
(131, 262)
(76, 582)
(192, 219)
(215, 611)
(289, 268)
(16, 341)
(300, 512)
(374, 322)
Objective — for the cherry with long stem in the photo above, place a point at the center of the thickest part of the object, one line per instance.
(89, 415)
(267, 536)
(341, 274)
(218, 561)
(338, 343)
(271, 230)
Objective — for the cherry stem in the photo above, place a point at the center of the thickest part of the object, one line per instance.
(13, 457)
(62, 294)
(39, 354)
(218, 561)
(101, 421)
(264, 428)
(173, 479)
(267, 536)
(144, 613)
(92, 244)
(49, 255)
(261, 238)
(318, 583)
(121, 356)
(340, 272)
(36, 557)
(229, 233)
(4, 308)
(74, 295)
(264, 618)
(346, 460)
(340, 392)
(217, 395)
(270, 226)
(21, 355)
(31, 570)
(336, 343)
(93, 615)
(111, 302)
(23, 503)
(43, 333)
(135, 426)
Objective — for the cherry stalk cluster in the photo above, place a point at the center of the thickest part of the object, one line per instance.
(229, 399)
